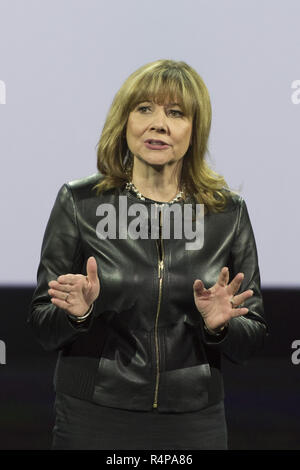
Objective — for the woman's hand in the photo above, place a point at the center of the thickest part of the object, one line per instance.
(217, 304)
(75, 293)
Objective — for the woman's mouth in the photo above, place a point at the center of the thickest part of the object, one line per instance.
(155, 144)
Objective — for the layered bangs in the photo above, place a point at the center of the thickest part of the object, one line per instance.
(164, 86)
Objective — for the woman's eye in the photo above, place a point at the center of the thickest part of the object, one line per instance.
(172, 112)
(143, 109)
(176, 112)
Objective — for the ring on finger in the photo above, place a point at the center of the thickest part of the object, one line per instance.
(66, 298)
(234, 305)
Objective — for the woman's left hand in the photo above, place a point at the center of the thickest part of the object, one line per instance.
(217, 305)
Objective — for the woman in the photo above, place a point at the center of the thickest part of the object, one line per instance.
(141, 335)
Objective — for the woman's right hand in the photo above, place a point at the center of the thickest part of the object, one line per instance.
(75, 293)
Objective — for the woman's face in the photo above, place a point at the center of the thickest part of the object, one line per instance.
(158, 134)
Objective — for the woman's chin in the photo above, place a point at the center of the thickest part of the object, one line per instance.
(155, 160)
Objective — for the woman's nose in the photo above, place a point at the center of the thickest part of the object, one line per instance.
(159, 127)
(159, 121)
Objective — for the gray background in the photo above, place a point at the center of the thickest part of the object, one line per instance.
(62, 61)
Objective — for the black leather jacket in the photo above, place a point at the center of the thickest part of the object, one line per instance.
(144, 344)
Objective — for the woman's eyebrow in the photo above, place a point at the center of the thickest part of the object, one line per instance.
(166, 104)
(174, 104)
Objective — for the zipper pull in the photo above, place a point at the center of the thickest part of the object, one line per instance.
(160, 269)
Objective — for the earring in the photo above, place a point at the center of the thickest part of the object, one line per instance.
(128, 164)
(126, 158)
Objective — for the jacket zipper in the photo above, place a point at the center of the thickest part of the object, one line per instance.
(160, 277)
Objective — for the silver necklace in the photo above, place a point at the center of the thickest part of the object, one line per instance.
(130, 186)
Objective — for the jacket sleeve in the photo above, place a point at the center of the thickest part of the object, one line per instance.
(61, 253)
(245, 334)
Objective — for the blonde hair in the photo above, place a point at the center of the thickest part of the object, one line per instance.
(158, 81)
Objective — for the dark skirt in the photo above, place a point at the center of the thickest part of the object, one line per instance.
(84, 425)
